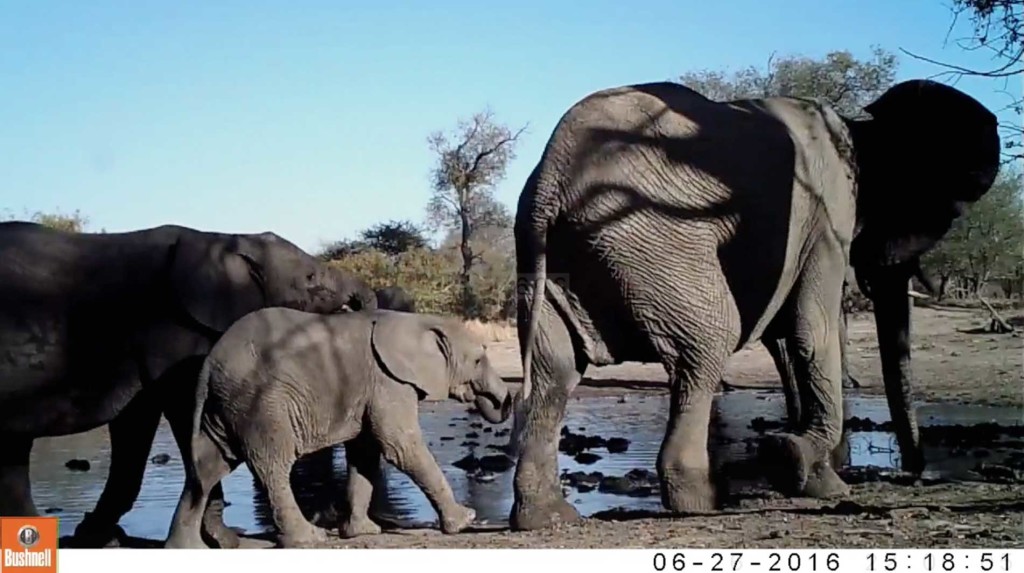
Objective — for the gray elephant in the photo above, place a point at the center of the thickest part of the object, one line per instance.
(111, 328)
(283, 383)
(395, 298)
(662, 226)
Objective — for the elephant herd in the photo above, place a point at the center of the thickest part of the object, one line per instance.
(658, 226)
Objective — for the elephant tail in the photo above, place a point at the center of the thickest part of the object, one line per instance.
(539, 278)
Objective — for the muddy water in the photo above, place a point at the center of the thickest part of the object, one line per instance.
(453, 434)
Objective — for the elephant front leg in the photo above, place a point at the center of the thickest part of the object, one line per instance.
(780, 355)
(538, 500)
(15, 486)
(131, 438)
(800, 463)
(405, 448)
(363, 457)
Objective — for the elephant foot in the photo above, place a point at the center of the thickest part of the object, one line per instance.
(799, 469)
(217, 532)
(688, 490)
(542, 515)
(91, 533)
(912, 460)
(457, 519)
(354, 527)
(307, 538)
(183, 542)
(222, 536)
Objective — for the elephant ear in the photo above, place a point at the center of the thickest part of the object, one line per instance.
(413, 351)
(216, 282)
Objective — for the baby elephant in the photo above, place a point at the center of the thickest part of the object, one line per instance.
(282, 383)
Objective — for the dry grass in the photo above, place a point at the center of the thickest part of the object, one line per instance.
(498, 331)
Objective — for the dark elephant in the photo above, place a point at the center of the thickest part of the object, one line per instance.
(662, 226)
(395, 298)
(112, 328)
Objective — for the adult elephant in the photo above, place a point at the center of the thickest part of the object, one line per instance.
(395, 298)
(112, 328)
(662, 226)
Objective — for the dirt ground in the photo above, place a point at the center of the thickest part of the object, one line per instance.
(949, 365)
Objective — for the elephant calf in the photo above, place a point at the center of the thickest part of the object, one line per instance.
(282, 383)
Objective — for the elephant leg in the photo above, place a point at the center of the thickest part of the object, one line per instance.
(272, 468)
(404, 447)
(15, 485)
(205, 467)
(363, 457)
(780, 355)
(557, 368)
(178, 390)
(800, 462)
(694, 363)
(848, 380)
(131, 438)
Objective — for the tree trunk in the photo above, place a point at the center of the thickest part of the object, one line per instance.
(468, 308)
(943, 285)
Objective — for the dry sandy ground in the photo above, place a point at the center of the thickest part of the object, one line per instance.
(950, 365)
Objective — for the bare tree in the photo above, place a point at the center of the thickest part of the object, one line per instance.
(997, 30)
(470, 161)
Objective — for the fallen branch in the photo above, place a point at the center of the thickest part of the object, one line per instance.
(998, 325)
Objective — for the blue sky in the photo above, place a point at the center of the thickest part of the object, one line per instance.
(310, 118)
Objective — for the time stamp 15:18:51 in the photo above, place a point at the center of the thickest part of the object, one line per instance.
(838, 561)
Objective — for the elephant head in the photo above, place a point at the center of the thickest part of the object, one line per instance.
(926, 153)
(218, 278)
(441, 360)
(356, 291)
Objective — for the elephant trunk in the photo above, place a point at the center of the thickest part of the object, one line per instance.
(494, 400)
(892, 323)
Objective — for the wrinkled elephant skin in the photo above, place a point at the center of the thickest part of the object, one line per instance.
(661, 226)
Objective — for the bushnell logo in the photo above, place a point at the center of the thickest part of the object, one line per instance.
(28, 544)
(28, 536)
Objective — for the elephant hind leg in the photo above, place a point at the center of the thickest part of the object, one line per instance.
(695, 361)
(204, 471)
(272, 464)
(15, 485)
(557, 368)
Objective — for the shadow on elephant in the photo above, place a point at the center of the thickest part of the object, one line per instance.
(660, 226)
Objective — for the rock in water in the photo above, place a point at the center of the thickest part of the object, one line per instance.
(160, 459)
(586, 458)
(617, 445)
(77, 465)
(496, 463)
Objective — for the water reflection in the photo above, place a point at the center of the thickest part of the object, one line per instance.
(453, 433)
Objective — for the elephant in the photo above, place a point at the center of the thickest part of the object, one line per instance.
(282, 383)
(111, 328)
(786, 368)
(661, 226)
(395, 298)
